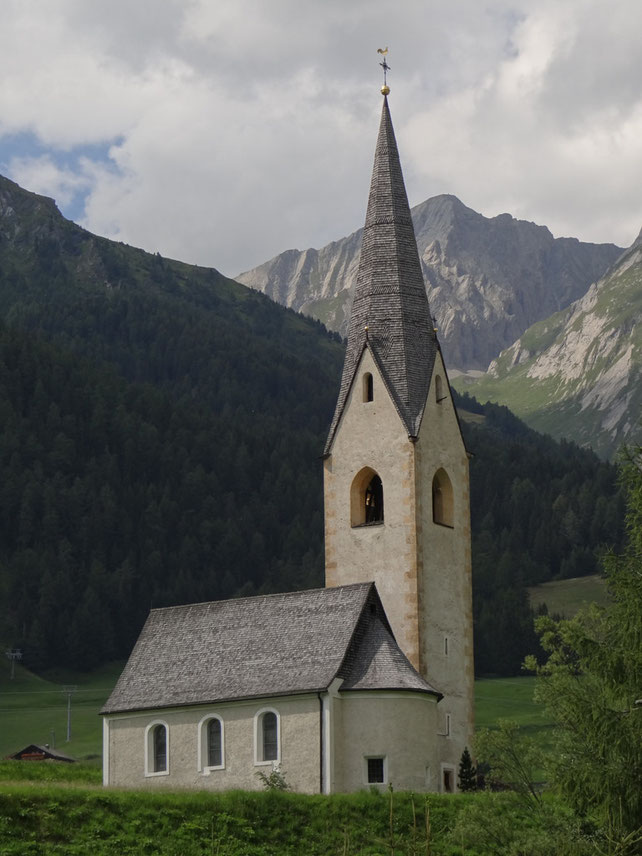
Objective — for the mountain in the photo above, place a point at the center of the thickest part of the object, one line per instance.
(488, 279)
(579, 373)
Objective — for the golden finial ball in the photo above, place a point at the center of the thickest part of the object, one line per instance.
(385, 89)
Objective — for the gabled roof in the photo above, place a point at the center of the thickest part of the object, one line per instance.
(281, 644)
(390, 312)
(36, 752)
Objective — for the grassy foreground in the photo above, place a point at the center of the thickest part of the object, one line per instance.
(39, 817)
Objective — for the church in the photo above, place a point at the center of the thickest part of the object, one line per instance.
(367, 682)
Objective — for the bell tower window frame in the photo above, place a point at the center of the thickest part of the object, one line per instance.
(366, 499)
(443, 500)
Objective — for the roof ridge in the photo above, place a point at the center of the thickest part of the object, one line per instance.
(260, 596)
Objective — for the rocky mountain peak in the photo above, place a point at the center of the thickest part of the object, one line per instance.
(488, 279)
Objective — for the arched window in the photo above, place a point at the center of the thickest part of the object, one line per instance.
(156, 749)
(214, 743)
(366, 498)
(211, 743)
(368, 388)
(439, 389)
(267, 737)
(442, 499)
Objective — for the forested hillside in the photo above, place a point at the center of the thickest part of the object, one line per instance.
(160, 433)
(540, 510)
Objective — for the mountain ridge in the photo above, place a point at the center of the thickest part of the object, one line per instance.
(579, 372)
(488, 279)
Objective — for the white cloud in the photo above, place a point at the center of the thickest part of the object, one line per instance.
(246, 127)
(62, 184)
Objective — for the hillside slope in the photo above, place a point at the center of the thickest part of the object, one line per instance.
(488, 279)
(579, 373)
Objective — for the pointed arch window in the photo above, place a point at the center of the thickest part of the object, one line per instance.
(366, 498)
(442, 499)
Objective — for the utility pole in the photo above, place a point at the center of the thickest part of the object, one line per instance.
(13, 655)
(70, 689)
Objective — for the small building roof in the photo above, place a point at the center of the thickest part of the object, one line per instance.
(36, 752)
(390, 313)
(280, 644)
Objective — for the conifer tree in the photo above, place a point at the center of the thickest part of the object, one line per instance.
(467, 775)
(592, 685)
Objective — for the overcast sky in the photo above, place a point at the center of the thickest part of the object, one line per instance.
(222, 132)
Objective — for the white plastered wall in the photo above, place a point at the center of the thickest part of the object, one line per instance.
(399, 727)
(299, 743)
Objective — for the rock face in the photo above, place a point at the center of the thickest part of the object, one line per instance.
(578, 374)
(488, 279)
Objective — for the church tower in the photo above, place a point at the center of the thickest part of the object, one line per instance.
(396, 482)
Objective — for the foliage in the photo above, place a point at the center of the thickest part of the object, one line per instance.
(76, 820)
(467, 773)
(512, 758)
(50, 771)
(590, 683)
(274, 780)
(503, 825)
(50, 820)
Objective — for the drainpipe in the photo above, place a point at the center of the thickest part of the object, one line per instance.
(321, 745)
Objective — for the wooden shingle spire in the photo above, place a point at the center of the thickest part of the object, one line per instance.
(390, 312)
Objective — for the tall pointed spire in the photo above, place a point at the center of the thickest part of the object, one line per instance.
(390, 312)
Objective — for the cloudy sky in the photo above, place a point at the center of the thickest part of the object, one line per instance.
(222, 132)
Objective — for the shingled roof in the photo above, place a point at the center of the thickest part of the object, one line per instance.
(390, 312)
(281, 644)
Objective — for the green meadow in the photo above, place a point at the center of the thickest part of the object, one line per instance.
(566, 597)
(34, 710)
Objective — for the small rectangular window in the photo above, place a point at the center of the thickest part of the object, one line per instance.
(375, 771)
(448, 783)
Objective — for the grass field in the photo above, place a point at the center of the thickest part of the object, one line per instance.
(565, 597)
(34, 710)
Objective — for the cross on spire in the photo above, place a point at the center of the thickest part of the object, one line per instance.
(385, 89)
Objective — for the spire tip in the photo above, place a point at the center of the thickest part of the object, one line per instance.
(385, 89)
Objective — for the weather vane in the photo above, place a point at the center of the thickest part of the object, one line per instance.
(385, 89)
